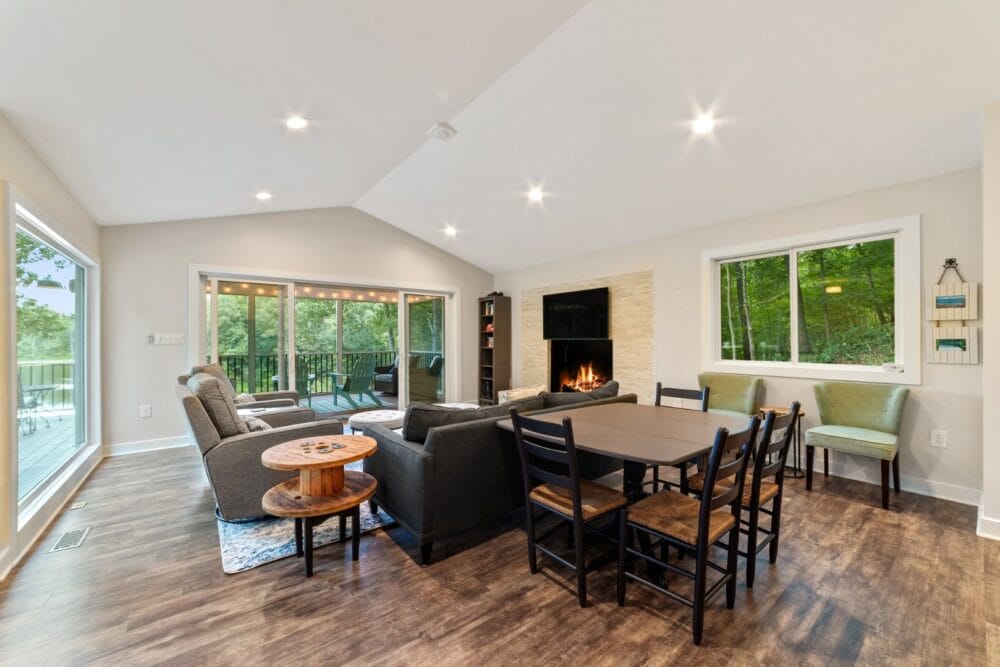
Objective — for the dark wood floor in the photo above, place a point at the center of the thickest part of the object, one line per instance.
(854, 584)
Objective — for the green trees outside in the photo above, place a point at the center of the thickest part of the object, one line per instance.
(42, 333)
(845, 295)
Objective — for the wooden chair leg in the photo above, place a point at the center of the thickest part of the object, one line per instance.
(532, 556)
(581, 565)
(810, 454)
(732, 562)
(826, 463)
(895, 472)
(885, 484)
(298, 538)
(356, 532)
(751, 546)
(343, 527)
(775, 527)
(698, 615)
(622, 537)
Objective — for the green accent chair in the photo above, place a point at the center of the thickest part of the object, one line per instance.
(732, 394)
(858, 418)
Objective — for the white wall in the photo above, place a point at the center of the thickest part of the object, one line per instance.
(950, 397)
(146, 290)
(25, 170)
(989, 523)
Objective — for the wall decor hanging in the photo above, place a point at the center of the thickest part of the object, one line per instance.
(954, 302)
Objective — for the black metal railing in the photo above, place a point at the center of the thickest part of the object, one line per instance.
(49, 373)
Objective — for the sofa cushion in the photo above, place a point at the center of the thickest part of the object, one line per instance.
(606, 390)
(422, 417)
(217, 403)
(242, 399)
(254, 424)
(215, 370)
(565, 398)
(854, 440)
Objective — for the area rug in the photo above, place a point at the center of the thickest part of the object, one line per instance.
(248, 545)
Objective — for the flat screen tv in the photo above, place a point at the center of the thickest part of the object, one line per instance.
(579, 315)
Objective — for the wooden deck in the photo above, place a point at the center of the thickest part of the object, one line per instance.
(324, 405)
(39, 453)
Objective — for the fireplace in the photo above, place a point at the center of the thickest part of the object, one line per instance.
(579, 365)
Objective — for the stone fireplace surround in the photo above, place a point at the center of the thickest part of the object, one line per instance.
(631, 329)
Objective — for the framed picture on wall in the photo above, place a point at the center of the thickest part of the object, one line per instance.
(953, 345)
(953, 301)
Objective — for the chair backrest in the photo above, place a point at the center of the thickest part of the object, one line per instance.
(727, 460)
(861, 405)
(199, 425)
(774, 442)
(548, 454)
(21, 404)
(362, 373)
(736, 393)
(689, 394)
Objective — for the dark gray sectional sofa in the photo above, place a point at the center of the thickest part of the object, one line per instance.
(462, 475)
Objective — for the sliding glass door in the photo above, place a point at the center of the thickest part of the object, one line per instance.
(51, 353)
(425, 315)
(251, 335)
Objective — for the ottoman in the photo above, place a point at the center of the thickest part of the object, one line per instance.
(391, 419)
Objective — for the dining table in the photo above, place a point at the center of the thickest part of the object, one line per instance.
(642, 435)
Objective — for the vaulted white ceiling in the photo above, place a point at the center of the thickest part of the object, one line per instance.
(152, 110)
(163, 110)
(815, 100)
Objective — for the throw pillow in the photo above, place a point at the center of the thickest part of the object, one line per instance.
(421, 417)
(508, 395)
(215, 370)
(254, 424)
(606, 390)
(243, 399)
(217, 403)
(564, 398)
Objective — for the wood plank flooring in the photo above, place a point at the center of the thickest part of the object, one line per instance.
(853, 585)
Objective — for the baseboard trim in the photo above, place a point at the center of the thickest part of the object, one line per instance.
(909, 483)
(139, 446)
(988, 527)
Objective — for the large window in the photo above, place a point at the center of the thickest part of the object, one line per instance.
(50, 290)
(822, 305)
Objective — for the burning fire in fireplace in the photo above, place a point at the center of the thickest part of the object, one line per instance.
(586, 379)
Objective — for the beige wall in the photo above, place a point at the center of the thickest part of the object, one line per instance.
(990, 521)
(25, 170)
(146, 291)
(950, 397)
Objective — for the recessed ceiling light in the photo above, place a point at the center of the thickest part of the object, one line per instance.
(449, 230)
(536, 194)
(296, 123)
(703, 124)
(263, 195)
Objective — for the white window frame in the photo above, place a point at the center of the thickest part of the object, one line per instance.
(905, 231)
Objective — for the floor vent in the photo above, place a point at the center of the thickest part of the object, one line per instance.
(71, 539)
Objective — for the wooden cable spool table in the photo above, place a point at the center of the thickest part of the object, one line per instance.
(323, 488)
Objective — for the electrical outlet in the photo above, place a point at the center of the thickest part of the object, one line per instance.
(145, 411)
(939, 438)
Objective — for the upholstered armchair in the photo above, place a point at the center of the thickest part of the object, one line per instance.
(732, 394)
(858, 418)
(231, 442)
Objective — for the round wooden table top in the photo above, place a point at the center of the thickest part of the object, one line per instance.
(322, 451)
(284, 500)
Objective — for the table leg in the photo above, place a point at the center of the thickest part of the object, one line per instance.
(355, 532)
(298, 537)
(634, 472)
(308, 529)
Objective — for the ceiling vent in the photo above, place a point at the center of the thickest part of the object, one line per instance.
(442, 131)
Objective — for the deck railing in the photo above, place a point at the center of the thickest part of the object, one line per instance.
(55, 372)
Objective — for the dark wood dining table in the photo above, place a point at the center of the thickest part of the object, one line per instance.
(643, 434)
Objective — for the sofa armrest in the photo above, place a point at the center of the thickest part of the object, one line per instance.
(405, 475)
(268, 403)
(286, 395)
(284, 416)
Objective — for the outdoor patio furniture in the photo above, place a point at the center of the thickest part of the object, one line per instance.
(424, 381)
(387, 378)
(359, 381)
(27, 409)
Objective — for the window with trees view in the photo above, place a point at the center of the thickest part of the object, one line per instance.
(844, 309)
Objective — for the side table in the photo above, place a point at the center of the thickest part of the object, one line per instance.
(795, 471)
(323, 488)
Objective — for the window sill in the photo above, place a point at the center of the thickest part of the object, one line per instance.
(839, 372)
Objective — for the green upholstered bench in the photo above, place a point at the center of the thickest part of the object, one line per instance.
(731, 394)
(858, 418)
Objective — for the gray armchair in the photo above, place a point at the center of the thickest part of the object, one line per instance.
(232, 459)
